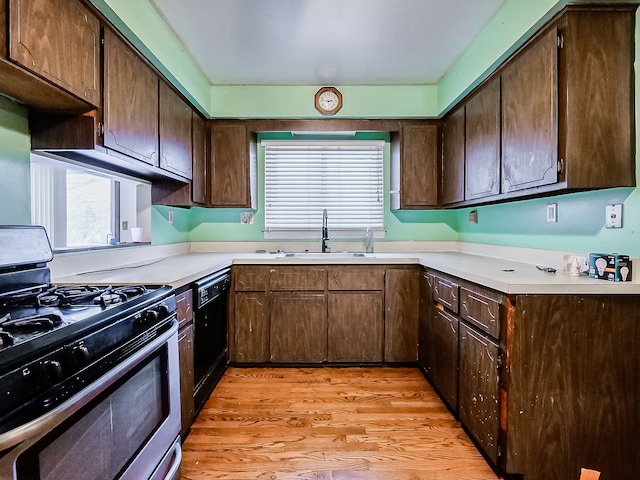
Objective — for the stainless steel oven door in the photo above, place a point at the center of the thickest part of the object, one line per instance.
(123, 426)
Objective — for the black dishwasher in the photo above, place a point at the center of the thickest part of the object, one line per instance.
(210, 357)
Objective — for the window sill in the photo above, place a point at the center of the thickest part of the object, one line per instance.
(91, 248)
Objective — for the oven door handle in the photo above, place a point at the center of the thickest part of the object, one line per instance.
(63, 411)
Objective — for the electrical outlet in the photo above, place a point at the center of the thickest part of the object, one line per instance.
(170, 216)
(613, 216)
(473, 216)
(552, 212)
(125, 225)
(246, 217)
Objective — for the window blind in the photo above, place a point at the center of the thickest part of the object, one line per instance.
(304, 177)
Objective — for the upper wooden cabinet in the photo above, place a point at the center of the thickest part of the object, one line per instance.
(567, 104)
(415, 159)
(453, 148)
(530, 116)
(232, 179)
(70, 56)
(130, 111)
(482, 142)
(175, 132)
(200, 155)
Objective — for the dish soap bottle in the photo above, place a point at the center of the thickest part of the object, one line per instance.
(368, 241)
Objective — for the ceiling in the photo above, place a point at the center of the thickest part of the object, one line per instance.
(326, 42)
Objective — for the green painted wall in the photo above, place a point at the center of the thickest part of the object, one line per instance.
(15, 144)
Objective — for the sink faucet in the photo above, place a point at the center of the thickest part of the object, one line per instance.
(326, 243)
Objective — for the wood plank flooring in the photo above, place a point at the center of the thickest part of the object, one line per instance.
(328, 424)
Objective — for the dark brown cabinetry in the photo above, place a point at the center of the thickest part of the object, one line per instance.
(445, 356)
(176, 120)
(453, 157)
(200, 160)
(69, 27)
(402, 287)
(415, 166)
(232, 179)
(130, 110)
(479, 388)
(530, 116)
(425, 324)
(185, 354)
(355, 313)
(482, 142)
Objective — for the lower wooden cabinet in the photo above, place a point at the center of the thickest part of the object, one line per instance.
(355, 326)
(445, 356)
(251, 332)
(184, 302)
(479, 388)
(298, 327)
(402, 289)
(425, 325)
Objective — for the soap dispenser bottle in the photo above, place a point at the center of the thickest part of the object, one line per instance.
(368, 241)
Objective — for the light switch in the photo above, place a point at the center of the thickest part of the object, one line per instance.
(613, 216)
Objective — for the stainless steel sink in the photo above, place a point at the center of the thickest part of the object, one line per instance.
(324, 255)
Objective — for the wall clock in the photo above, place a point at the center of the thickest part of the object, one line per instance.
(328, 100)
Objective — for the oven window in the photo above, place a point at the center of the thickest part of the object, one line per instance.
(99, 443)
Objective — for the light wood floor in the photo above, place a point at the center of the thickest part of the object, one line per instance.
(328, 424)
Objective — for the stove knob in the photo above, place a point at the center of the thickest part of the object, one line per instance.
(150, 316)
(53, 370)
(81, 353)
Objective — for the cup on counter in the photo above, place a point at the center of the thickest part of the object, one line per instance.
(137, 234)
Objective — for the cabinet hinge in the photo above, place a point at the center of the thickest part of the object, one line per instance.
(561, 165)
(499, 361)
(560, 41)
(499, 452)
(100, 129)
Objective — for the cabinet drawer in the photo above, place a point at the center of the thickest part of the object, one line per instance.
(250, 279)
(353, 278)
(445, 291)
(297, 278)
(184, 302)
(481, 310)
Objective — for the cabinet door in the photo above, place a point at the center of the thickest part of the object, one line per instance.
(419, 160)
(199, 171)
(130, 102)
(479, 389)
(298, 327)
(60, 41)
(175, 132)
(445, 358)
(356, 327)
(453, 148)
(230, 169)
(530, 116)
(185, 357)
(425, 324)
(251, 333)
(482, 155)
(401, 320)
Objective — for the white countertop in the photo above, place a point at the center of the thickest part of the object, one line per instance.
(506, 276)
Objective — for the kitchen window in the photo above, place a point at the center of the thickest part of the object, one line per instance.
(84, 207)
(303, 177)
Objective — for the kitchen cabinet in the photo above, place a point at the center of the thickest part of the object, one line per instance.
(401, 314)
(482, 141)
(355, 312)
(175, 130)
(68, 26)
(232, 165)
(185, 355)
(415, 166)
(250, 329)
(453, 157)
(567, 104)
(530, 116)
(200, 157)
(479, 388)
(426, 334)
(298, 324)
(445, 356)
(130, 111)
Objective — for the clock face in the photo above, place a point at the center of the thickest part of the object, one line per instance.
(328, 100)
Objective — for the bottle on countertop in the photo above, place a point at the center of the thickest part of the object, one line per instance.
(368, 241)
